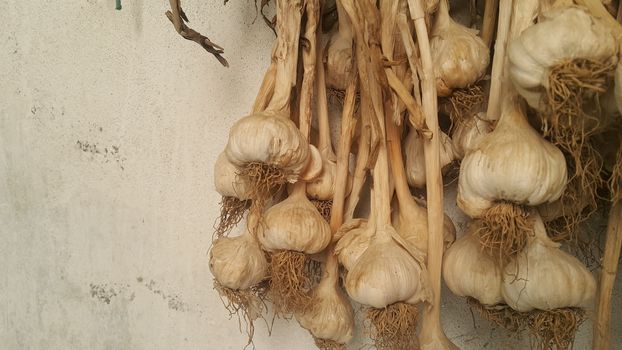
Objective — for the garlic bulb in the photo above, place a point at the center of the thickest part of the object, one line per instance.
(357, 235)
(339, 63)
(415, 160)
(468, 134)
(294, 224)
(330, 316)
(460, 57)
(561, 34)
(386, 273)
(544, 277)
(268, 138)
(469, 272)
(513, 163)
(226, 180)
(238, 263)
(323, 186)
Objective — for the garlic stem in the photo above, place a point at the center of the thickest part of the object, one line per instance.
(345, 27)
(432, 335)
(598, 10)
(348, 124)
(499, 61)
(285, 53)
(309, 59)
(324, 142)
(488, 25)
(265, 90)
(602, 331)
(410, 48)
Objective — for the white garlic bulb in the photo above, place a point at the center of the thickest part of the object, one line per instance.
(269, 138)
(415, 160)
(357, 235)
(460, 57)
(226, 180)
(513, 163)
(238, 263)
(561, 34)
(386, 273)
(544, 277)
(294, 224)
(330, 316)
(468, 134)
(469, 272)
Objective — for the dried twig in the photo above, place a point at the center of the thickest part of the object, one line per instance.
(177, 16)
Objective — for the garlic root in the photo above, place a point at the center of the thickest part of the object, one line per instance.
(393, 327)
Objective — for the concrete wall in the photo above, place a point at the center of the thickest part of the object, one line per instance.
(110, 124)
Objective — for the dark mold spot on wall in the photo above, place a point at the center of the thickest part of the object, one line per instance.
(105, 154)
(174, 301)
(101, 293)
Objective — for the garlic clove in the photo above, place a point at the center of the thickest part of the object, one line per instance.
(238, 263)
(468, 134)
(544, 277)
(226, 180)
(294, 224)
(353, 242)
(314, 167)
(469, 272)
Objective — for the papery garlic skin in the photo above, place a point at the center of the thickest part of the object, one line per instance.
(469, 272)
(331, 315)
(238, 263)
(415, 160)
(412, 224)
(294, 224)
(544, 277)
(513, 163)
(339, 61)
(561, 34)
(468, 134)
(269, 138)
(353, 244)
(226, 180)
(323, 186)
(460, 57)
(385, 274)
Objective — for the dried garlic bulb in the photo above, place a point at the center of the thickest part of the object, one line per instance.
(469, 272)
(330, 316)
(561, 34)
(469, 133)
(238, 263)
(513, 163)
(386, 273)
(339, 63)
(544, 277)
(226, 180)
(268, 138)
(460, 57)
(294, 224)
(415, 160)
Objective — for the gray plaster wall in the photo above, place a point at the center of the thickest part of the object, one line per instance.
(110, 124)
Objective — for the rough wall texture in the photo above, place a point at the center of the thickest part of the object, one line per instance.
(110, 124)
